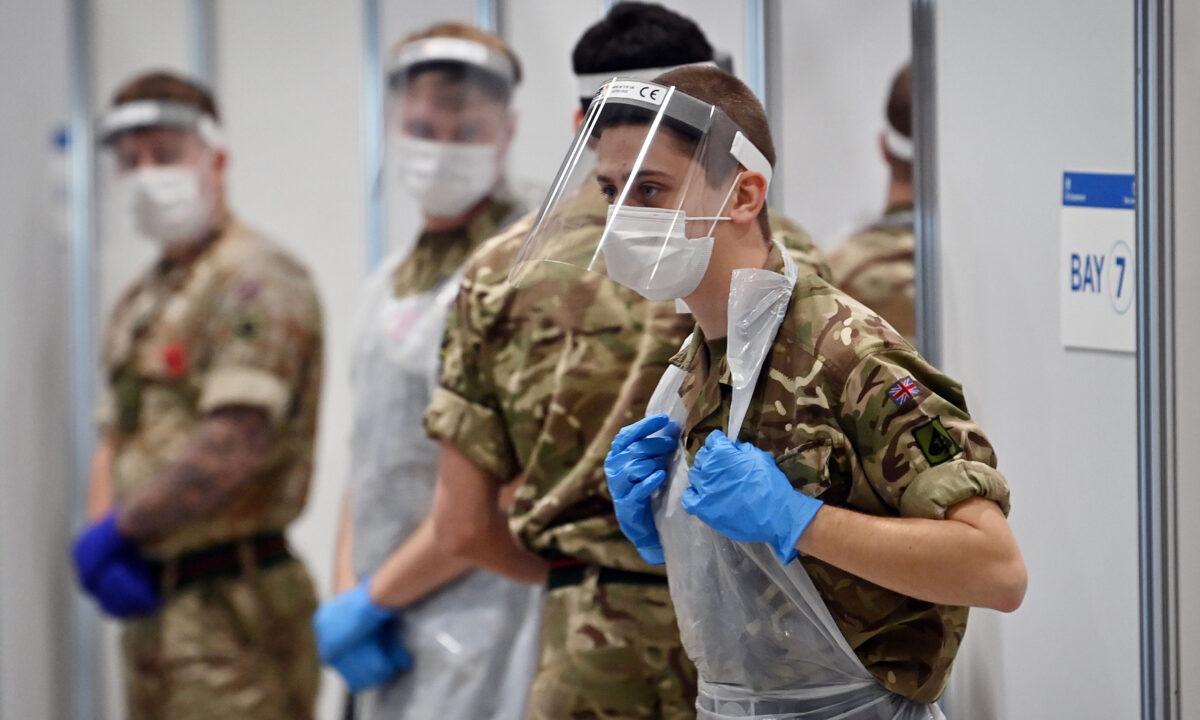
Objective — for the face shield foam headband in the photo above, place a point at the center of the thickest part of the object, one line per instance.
(452, 50)
(140, 114)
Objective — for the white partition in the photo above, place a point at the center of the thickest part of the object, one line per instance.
(1187, 344)
(836, 61)
(1029, 89)
(36, 583)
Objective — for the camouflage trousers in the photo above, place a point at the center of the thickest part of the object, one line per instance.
(231, 648)
(611, 650)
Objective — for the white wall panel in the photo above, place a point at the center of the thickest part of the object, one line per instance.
(1027, 90)
(35, 485)
(837, 60)
(291, 83)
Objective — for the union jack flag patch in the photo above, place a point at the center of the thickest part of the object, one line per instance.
(903, 391)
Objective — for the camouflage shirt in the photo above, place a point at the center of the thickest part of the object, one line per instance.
(238, 323)
(854, 416)
(875, 267)
(536, 382)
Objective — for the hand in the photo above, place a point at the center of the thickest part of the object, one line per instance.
(636, 466)
(111, 570)
(375, 660)
(346, 620)
(739, 491)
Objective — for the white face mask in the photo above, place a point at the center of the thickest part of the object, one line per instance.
(646, 251)
(446, 178)
(170, 204)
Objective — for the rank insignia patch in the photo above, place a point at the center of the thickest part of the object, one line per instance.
(904, 391)
(935, 442)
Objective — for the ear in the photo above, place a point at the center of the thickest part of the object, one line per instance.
(578, 118)
(883, 151)
(748, 199)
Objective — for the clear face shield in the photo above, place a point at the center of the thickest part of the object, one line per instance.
(668, 165)
(448, 125)
(160, 174)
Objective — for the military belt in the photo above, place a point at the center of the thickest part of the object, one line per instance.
(225, 560)
(567, 573)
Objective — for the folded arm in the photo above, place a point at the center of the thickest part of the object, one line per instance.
(220, 459)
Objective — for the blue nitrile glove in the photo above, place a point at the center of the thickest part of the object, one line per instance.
(635, 467)
(374, 660)
(346, 620)
(111, 570)
(740, 492)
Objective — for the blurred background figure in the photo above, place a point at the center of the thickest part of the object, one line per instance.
(471, 634)
(212, 367)
(875, 265)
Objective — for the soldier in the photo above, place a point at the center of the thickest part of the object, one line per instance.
(875, 266)
(807, 425)
(535, 382)
(472, 634)
(212, 362)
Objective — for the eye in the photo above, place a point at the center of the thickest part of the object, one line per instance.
(467, 133)
(609, 192)
(647, 191)
(420, 130)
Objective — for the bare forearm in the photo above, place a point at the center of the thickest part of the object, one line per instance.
(495, 549)
(343, 554)
(221, 458)
(100, 487)
(969, 559)
(415, 569)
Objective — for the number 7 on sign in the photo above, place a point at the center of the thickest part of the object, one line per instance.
(1120, 261)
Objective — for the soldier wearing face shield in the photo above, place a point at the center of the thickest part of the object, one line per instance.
(875, 265)
(535, 382)
(415, 632)
(824, 504)
(212, 366)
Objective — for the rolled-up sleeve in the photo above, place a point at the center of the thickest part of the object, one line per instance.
(917, 445)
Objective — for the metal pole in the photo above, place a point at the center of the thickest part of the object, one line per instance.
(372, 129)
(85, 631)
(1158, 560)
(204, 36)
(761, 56)
(927, 259)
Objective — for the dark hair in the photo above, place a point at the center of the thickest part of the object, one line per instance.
(494, 87)
(637, 35)
(900, 117)
(167, 87)
(730, 95)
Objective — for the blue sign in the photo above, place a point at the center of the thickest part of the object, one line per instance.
(1099, 190)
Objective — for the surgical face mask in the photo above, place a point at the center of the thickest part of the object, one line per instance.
(446, 178)
(170, 204)
(645, 250)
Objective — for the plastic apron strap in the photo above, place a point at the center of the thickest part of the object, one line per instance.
(758, 300)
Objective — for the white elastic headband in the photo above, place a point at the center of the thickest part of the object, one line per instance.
(448, 49)
(897, 145)
(591, 83)
(750, 157)
(160, 113)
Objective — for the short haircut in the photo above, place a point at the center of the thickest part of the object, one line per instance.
(725, 92)
(492, 86)
(899, 102)
(165, 86)
(638, 35)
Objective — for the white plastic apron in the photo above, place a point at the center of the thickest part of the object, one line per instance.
(474, 643)
(764, 644)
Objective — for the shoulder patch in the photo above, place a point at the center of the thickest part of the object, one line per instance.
(935, 442)
(904, 391)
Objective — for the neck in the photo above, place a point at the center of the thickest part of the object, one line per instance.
(710, 301)
(442, 224)
(180, 252)
(900, 192)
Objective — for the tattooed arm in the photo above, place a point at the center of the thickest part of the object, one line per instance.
(221, 458)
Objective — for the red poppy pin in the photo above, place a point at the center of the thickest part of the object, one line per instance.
(175, 359)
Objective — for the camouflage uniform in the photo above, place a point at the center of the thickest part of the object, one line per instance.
(853, 415)
(535, 383)
(875, 267)
(238, 323)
